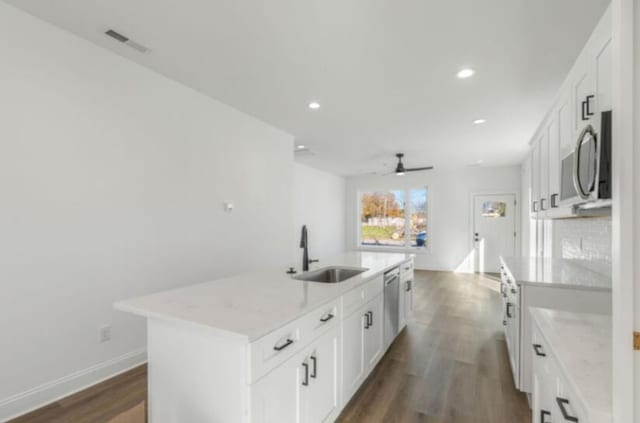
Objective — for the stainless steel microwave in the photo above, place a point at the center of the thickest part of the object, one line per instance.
(585, 174)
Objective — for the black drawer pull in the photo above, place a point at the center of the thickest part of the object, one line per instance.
(561, 403)
(538, 349)
(283, 346)
(408, 288)
(314, 373)
(327, 318)
(305, 381)
(543, 416)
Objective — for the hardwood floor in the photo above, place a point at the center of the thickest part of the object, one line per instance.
(449, 365)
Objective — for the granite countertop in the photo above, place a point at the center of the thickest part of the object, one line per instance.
(561, 273)
(581, 344)
(250, 305)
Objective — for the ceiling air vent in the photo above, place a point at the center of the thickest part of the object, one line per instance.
(125, 40)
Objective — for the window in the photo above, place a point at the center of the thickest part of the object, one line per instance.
(394, 218)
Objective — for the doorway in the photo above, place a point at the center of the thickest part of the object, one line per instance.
(494, 230)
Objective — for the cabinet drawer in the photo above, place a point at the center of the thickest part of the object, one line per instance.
(406, 267)
(319, 321)
(275, 348)
(359, 296)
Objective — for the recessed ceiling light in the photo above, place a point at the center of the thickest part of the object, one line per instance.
(479, 121)
(300, 146)
(314, 105)
(465, 73)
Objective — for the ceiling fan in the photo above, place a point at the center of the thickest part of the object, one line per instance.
(401, 170)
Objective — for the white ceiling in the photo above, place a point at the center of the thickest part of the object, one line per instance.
(382, 70)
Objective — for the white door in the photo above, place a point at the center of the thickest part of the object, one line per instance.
(494, 229)
(277, 396)
(353, 367)
(373, 333)
(322, 392)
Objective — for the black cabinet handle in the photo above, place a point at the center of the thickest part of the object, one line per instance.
(543, 415)
(314, 373)
(542, 201)
(509, 305)
(588, 105)
(538, 349)
(561, 403)
(534, 206)
(554, 201)
(408, 288)
(327, 318)
(305, 381)
(504, 323)
(370, 313)
(584, 111)
(366, 321)
(283, 346)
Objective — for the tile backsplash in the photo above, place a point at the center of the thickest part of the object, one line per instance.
(585, 240)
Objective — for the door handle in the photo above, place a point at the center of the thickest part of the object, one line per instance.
(588, 104)
(305, 381)
(327, 318)
(538, 349)
(314, 373)
(543, 416)
(568, 417)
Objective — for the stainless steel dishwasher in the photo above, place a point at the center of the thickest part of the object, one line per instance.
(391, 293)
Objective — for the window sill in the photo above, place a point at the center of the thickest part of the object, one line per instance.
(386, 249)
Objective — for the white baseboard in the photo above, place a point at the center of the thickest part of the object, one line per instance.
(49, 392)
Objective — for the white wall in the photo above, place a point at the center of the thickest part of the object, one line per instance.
(319, 203)
(112, 180)
(449, 220)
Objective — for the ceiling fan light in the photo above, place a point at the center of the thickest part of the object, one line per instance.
(399, 173)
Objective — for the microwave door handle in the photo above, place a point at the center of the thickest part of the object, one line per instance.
(576, 163)
(594, 177)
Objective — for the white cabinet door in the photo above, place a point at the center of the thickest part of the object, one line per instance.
(352, 363)
(408, 298)
(277, 396)
(535, 178)
(544, 170)
(321, 396)
(565, 127)
(402, 309)
(553, 137)
(373, 340)
(583, 94)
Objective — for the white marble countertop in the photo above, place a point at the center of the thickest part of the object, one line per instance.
(581, 344)
(558, 272)
(250, 305)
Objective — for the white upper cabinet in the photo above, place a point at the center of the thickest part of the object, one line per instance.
(586, 92)
(553, 155)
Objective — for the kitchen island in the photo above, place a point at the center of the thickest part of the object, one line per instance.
(263, 347)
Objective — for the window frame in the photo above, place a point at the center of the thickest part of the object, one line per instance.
(407, 229)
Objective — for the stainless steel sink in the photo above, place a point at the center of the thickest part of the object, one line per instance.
(332, 274)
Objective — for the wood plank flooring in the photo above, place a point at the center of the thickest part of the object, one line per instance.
(449, 365)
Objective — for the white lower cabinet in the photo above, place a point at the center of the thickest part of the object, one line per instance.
(373, 339)
(304, 388)
(320, 395)
(552, 399)
(353, 364)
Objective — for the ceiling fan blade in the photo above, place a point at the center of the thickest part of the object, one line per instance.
(415, 169)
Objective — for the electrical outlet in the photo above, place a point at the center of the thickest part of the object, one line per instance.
(105, 333)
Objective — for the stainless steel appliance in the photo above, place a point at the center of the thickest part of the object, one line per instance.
(391, 297)
(586, 171)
